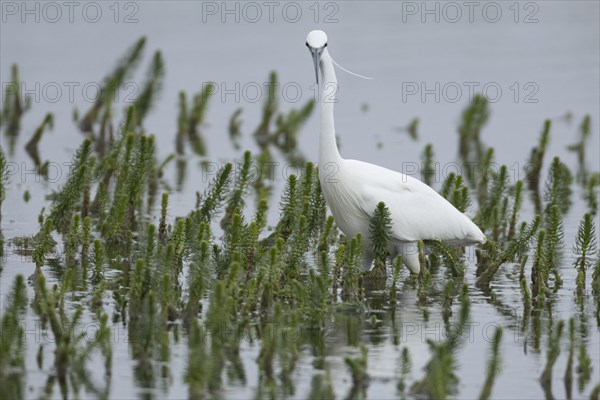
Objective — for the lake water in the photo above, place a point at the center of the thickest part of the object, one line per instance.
(534, 60)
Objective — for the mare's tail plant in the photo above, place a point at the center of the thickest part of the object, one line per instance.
(536, 159)
(32, 146)
(112, 83)
(14, 107)
(585, 250)
(428, 169)
(471, 149)
(380, 229)
(150, 89)
(190, 119)
(493, 368)
(71, 196)
(579, 148)
(558, 186)
(3, 178)
(12, 345)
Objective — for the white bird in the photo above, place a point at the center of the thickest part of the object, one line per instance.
(354, 188)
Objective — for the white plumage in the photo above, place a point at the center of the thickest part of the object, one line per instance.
(354, 188)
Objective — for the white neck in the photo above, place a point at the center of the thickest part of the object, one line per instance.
(328, 151)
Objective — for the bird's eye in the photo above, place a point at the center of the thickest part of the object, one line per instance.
(307, 44)
(325, 45)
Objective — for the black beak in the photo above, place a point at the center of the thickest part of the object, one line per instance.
(316, 55)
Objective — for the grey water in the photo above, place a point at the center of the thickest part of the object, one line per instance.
(534, 60)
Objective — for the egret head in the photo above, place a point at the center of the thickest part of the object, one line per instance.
(316, 41)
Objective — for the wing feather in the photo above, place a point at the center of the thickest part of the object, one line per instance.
(418, 212)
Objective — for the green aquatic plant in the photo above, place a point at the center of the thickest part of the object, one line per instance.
(278, 129)
(70, 198)
(554, 336)
(558, 186)
(150, 89)
(536, 159)
(317, 210)
(98, 271)
(380, 230)
(45, 244)
(525, 291)
(448, 185)
(72, 350)
(14, 106)
(262, 134)
(484, 173)
(133, 171)
(412, 128)
(487, 215)
(474, 118)
(270, 106)
(162, 227)
(554, 242)
(32, 146)
(596, 287)
(72, 241)
(288, 207)
(516, 207)
(233, 246)
(106, 130)
(198, 282)
(288, 125)
(585, 250)
(86, 237)
(215, 194)
(318, 296)
(351, 271)
(539, 270)
(112, 83)
(422, 259)
(591, 194)
(12, 345)
(584, 367)
(4, 179)
(191, 119)
(569, 370)
(449, 255)
(182, 124)
(151, 305)
(428, 166)
(447, 300)
(197, 370)
(493, 368)
(321, 386)
(454, 190)
(358, 372)
(440, 379)
(303, 216)
(394, 285)
(235, 128)
(340, 257)
(270, 276)
(515, 248)
(237, 195)
(405, 367)
(579, 147)
(595, 394)
(109, 159)
(440, 373)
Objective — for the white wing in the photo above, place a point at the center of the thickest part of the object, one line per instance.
(418, 212)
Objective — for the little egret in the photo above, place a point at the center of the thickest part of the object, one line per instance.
(354, 188)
